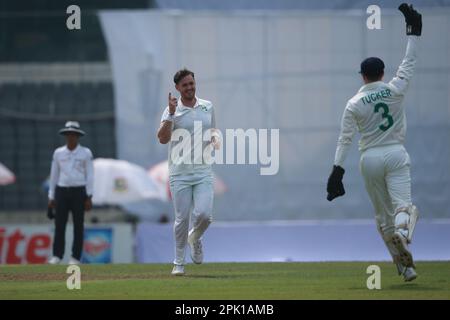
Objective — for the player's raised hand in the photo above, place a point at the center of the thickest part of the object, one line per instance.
(173, 102)
(413, 19)
(335, 187)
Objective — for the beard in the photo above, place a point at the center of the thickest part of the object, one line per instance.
(189, 95)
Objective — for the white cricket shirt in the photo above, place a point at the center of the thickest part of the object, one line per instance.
(376, 111)
(190, 162)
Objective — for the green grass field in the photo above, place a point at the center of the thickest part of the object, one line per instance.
(338, 280)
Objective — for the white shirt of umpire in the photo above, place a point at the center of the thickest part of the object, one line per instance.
(72, 169)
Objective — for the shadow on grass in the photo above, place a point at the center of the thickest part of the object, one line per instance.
(209, 276)
(400, 287)
(412, 286)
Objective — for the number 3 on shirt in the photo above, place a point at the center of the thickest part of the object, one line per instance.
(384, 115)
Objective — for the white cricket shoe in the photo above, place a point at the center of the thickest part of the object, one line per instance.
(73, 261)
(409, 274)
(54, 260)
(196, 249)
(401, 244)
(178, 270)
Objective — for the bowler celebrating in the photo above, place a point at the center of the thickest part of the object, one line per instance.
(190, 176)
(377, 112)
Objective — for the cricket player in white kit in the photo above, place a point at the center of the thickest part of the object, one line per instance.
(191, 177)
(378, 113)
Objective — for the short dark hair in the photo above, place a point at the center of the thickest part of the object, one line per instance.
(181, 74)
(372, 68)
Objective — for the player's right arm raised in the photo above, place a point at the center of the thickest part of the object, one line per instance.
(165, 129)
(413, 31)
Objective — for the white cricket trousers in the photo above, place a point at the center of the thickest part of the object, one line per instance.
(387, 178)
(386, 172)
(192, 192)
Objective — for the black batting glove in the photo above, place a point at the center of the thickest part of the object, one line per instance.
(335, 187)
(413, 19)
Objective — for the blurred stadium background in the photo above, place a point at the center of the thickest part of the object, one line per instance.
(285, 64)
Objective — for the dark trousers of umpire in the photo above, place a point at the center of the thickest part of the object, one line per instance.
(69, 199)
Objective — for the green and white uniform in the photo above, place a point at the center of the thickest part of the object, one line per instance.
(191, 178)
(378, 114)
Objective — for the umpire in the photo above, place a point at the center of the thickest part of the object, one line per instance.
(71, 184)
